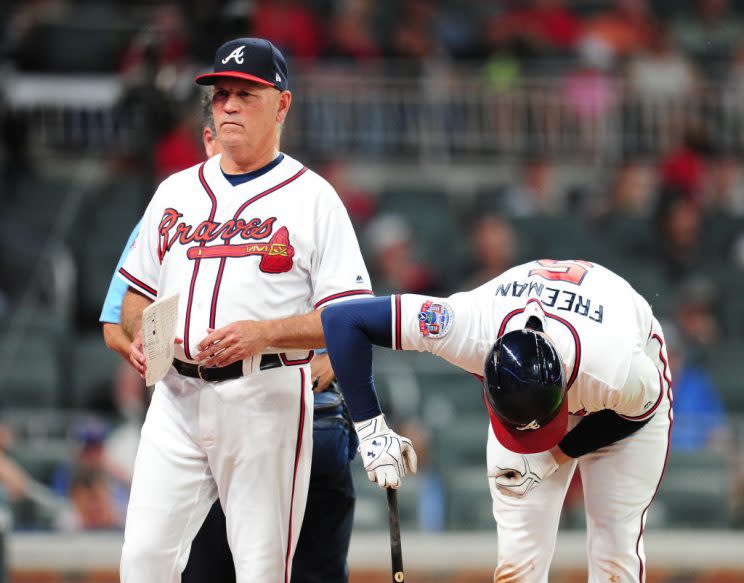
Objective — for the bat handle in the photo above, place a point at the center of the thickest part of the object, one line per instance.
(396, 551)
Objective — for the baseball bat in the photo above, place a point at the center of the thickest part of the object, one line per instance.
(396, 552)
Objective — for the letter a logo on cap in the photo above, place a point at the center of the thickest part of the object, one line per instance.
(237, 54)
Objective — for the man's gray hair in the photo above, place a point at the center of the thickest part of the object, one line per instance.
(207, 117)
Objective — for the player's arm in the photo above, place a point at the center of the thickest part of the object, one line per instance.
(110, 317)
(132, 307)
(338, 273)
(595, 431)
(638, 400)
(244, 338)
(116, 339)
(351, 328)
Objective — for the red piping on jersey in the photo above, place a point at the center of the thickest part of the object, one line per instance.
(566, 323)
(216, 292)
(397, 332)
(287, 362)
(298, 448)
(299, 173)
(650, 412)
(670, 396)
(187, 323)
(218, 281)
(139, 283)
(346, 294)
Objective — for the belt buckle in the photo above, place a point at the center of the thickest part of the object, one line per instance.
(199, 368)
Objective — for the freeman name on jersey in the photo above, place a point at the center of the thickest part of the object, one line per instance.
(551, 297)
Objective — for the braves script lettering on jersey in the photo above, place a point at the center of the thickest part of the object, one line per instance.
(276, 246)
(310, 242)
(614, 356)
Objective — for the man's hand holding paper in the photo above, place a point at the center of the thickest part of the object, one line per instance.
(152, 351)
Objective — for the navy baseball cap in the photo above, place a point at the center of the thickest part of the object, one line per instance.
(252, 59)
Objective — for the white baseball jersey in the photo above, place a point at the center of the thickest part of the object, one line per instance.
(276, 246)
(614, 353)
(598, 323)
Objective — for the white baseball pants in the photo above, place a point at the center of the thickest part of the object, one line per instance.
(246, 440)
(619, 482)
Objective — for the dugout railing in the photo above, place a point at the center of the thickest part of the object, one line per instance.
(433, 114)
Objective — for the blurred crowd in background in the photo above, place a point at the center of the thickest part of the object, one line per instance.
(650, 182)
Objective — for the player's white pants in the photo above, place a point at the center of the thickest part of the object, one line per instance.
(619, 482)
(248, 440)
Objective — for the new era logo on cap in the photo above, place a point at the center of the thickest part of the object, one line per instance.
(252, 59)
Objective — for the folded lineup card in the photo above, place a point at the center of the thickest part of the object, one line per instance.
(158, 336)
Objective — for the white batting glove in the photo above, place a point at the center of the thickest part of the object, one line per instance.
(386, 456)
(517, 475)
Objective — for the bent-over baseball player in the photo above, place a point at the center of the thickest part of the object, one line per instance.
(577, 376)
(256, 244)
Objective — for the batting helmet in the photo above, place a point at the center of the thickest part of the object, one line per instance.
(524, 388)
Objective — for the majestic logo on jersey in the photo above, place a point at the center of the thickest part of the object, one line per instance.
(435, 319)
(237, 54)
(276, 253)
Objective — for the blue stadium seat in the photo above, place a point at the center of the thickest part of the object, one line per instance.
(94, 367)
(33, 376)
(469, 500)
(695, 491)
(462, 443)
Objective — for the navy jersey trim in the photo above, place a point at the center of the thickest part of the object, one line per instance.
(397, 331)
(651, 411)
(566, 323)
(197, 261)
(141, 285)
(345, 294)
(220, 271)
(289, 362)
(298, 449)
(670, 396)
(238, 179)
(663, 376)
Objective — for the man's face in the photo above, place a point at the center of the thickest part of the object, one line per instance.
(247, 113)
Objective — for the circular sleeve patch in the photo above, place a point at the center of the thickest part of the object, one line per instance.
(435, 319)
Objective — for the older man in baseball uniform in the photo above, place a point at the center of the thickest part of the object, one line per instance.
(255, 244)
(571, 337)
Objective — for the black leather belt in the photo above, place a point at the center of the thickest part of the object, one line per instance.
(223, 373)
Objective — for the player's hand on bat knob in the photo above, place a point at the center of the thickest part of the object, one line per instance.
(517, 475)
(386, 456)
(233, 342)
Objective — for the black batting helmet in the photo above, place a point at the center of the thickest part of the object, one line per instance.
(524, 387)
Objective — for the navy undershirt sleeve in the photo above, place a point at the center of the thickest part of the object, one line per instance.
(598, 430)
(351, 328)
